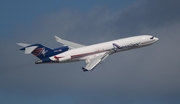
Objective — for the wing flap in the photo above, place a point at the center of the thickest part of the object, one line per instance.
(68, 43)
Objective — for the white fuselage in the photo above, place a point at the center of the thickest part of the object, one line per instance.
(112, 46)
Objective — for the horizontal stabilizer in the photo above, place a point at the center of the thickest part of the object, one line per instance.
(23, 44)
(28, 50)
(27, 47)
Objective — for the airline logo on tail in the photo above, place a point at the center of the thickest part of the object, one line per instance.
(40, 51)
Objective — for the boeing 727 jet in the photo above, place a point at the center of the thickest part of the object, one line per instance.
(93, 55)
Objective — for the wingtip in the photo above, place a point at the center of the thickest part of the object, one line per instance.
(57, 38)
(84, 69)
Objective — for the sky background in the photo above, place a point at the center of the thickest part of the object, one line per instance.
(148, 75)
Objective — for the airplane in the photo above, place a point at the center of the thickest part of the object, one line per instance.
(93, 55)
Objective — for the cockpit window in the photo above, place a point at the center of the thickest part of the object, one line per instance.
(152, 37)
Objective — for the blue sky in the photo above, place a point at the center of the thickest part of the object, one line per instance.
(147, 75)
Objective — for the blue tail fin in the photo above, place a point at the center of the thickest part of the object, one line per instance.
(43, 52)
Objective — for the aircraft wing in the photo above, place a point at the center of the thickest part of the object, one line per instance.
(92, 63)
(68, 43)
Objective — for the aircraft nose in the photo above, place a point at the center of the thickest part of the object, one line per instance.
(155, 38)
